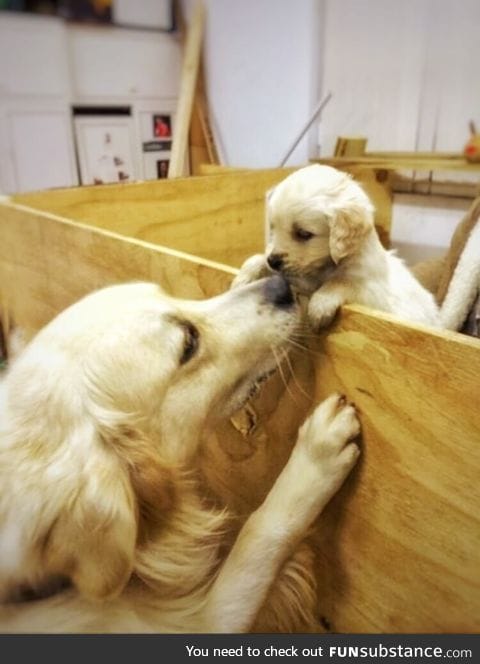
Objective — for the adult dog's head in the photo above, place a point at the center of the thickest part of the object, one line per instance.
(317, 217)
(103, 406)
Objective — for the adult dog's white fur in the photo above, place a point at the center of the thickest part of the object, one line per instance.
(100, 420)
(323, 239)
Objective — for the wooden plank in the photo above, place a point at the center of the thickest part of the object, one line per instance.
(47, 262)
(220, 218)
(393, 163)
(417, 154)
(191, 62)
(429, 186)
(378, 186)
(399, 546)
(350, 146)
(201, 141)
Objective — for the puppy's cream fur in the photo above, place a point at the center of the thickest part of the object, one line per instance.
(100, 420)
(322, 231)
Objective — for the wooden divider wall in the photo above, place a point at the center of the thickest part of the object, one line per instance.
(398, 547)
(219, 218)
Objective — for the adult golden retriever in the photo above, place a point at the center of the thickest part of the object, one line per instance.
(323, 240)
(102, 527)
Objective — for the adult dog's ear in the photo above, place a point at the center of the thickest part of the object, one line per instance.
(152, 480)
(122, 495)
(348, 228)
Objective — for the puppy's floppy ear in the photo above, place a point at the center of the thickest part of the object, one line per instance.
(269, 193)
(348, 227)
(123, 495)
(268, 230)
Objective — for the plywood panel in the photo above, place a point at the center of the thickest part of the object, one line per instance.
(220, 218)
(399, 546)
(47, 262)
(406, 160)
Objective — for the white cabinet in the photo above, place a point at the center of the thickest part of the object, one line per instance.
(144, 14)
(113, 64)
(48, 68)
(36, 140)
(32, 56)
(41, 149)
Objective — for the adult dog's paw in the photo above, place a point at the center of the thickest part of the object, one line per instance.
(325, 437)
(253, 268)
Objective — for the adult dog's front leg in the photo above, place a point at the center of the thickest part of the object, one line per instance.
(318, 465)
(253, 268)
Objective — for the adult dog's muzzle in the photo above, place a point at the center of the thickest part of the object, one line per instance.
(277, 291)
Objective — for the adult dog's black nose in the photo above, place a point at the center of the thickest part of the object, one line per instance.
(278, 292)
(275, 261)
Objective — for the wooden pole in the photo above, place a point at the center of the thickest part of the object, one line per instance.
(191, 62)
(350, 146)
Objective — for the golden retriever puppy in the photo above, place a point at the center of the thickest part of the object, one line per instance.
(102, 527)
(323, 240)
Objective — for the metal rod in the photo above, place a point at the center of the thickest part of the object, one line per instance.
(318, 109)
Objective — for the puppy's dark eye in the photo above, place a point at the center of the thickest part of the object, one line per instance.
(302, 235)
(191, 342)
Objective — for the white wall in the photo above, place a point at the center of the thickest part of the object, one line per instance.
(374, 64)
(263, 65)
(404, 74)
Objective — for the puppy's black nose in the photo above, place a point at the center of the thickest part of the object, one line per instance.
(278, 292)
(275, 261)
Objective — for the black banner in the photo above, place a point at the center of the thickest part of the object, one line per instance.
(193, 648)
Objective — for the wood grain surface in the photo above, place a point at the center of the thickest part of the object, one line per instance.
(47, 263)
(220, 217)
(393, 161)
(398, 548)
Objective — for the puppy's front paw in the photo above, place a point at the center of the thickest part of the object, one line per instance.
(326, 438)
(322, 309)
(252, 269)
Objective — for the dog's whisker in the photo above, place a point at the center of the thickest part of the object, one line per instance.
(292, 373)
(284, 380)
(300, 346)
(305, 349)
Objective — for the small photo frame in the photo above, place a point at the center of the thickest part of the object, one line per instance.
(162, 126)
(162, 168)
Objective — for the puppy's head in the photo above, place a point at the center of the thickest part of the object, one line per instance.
(102, 408)
(317, 217)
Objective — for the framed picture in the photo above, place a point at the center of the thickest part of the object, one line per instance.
(105, 149)
(162, 168)
(156, 128)
(162, 126)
